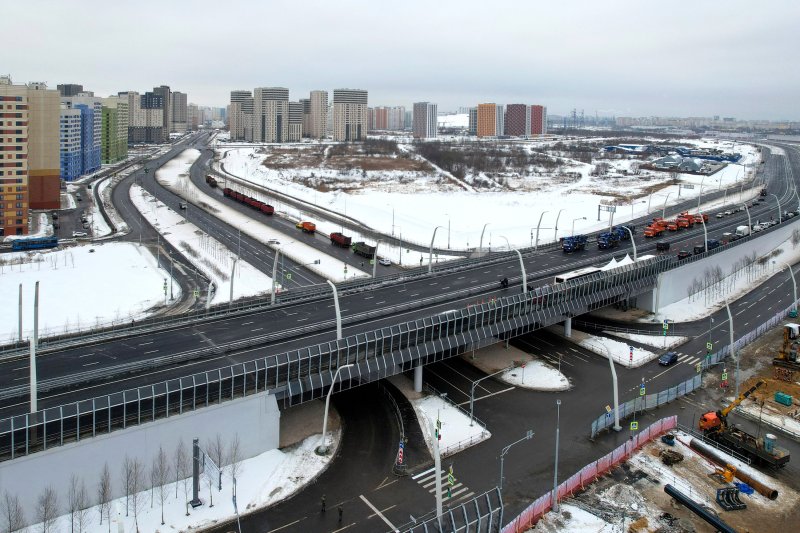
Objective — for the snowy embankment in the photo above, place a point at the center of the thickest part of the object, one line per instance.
(656, 341)
(80, 288)
(41, 228)
(104, 189)
(175, 176)
(204, 252)
(618, 351)
(536, 375)
(456, 431)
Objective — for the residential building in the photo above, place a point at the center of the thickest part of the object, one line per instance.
(70, 143)
(178, 110)
(473, 120)
(518, 120)
(500, 121)
(241, 105)
(114, 143)
(425, 116)
(69, 89)
(145, 117)
(91, 109)
(397, 119)
(379, 120)
(306, 116)
(319, 115)
(487, 120)
(538, 120)
(270, 114)
(349, 115)
(166, 98)
(192, 117)
(295, 121)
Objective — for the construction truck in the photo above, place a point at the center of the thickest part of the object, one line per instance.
(607, 240)
(364, 250)
(788, 354)
(760, 450)
(573, 243)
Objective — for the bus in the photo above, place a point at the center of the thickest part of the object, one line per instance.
(576, 274)
(34, 243)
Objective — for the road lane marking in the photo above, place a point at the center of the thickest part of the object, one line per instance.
(257, 329)
(247, 323)
(151, 351)
(370, 516)
(377, 512)
(428, 471)
(369, 297)
(290, 524)
(92, 363)
(23, 368)
(145, 343)
(381, 302)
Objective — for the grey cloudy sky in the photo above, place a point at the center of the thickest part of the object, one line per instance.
(616, 57)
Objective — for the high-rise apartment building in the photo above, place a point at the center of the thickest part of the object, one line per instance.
(166, 98)
(306, 116)
(295, 121)
(91, 109)
(114, 143)
(487, 120)
(318, 114)
(425, 117)
(270, 114)
(473, 121)
(241, 104)
(70, 130)
(538, 120)
(380, 118)
(500, 121)
(145, 117)
(397, 119)
(518, 120)
(349, 115)
(69, 89)
(178, 109)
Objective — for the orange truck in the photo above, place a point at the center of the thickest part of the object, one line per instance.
(672, 225)
(700, 218)
(653, 230)
(307, 227)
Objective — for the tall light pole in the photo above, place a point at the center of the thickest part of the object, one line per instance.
(555, 233)
(615, 386)
(322, 449)
(705, 235)
(664, 209)
(780, 216)
(337, 310)
(480, 246)
(274, 273)
(749, 220)
(573, 224)
(536, 245)
(392, 218)
(794, 284)
(521, 266)
(375, 259)
(34, 342)
(448, 230)
(699, 196)
(503, 453)
(555, 473)
(633, 241)
(430, 250)
(733, 351)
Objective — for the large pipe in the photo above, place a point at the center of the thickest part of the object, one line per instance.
(698, 510)
(742, 473)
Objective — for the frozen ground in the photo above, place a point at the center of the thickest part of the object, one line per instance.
(456, 431)
(656, 341)
(206, 253)
(75, 287)
(536, 375)
(619, 351)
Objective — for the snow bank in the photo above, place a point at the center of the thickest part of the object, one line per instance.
(619, 351)
(456, 432)
(536, 375)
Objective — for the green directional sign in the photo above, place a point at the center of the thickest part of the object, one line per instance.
(634, 425)
(641, 390)
(709, 346)
(724, 376)
(196, 293)
(288, 275)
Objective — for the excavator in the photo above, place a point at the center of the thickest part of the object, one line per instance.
(789, 354)
(761, 451)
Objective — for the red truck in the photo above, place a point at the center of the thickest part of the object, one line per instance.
(340, 240)
(307, 227)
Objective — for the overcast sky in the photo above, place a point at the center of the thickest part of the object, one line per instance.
(614, 57)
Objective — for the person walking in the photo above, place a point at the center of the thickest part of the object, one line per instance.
(323, 503)
(340, 514)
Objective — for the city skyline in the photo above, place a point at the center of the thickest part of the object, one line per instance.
(616, 59)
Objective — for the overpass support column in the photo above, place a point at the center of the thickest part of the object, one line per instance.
(418, 378)
(568, 327)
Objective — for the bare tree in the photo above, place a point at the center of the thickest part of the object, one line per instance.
(13, 515)
(82, 517)
(72, 500)
(162, 474)
(216, 449)
(47, 510)
(182, 472)
(137, 486)
(104, 495)
(235, 459)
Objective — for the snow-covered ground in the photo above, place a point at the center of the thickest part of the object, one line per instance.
(536, 375)
(206, 253)
(457, 433)
(41, 227)
(619, 351)
(80, 287)
(175, 176)
(457, 120)
(656, 341)
(414, 205)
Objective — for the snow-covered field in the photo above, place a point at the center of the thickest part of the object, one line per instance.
(536, 375)
(656, 341)
(412, 209)
(80, 287)
(617, 350)
(457, 433)
(206, 253)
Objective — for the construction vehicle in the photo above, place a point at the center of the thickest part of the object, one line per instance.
(788, 354)
(363, 249)
(607, 240)
(763, 451)
(700, 218)
(211, 181)
(763, 191)
(672, 225)
(340, 240)
(725, 475)
(574, 243)
(307, 227)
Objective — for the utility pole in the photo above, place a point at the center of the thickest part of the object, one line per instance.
(19, 313)
(555, 474)
(34, 343)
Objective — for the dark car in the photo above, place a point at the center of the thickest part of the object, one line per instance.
(662, 246)
(683, 254)
(668, 358)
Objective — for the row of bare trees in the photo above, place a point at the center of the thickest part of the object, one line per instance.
(136, 481)
(715, 283)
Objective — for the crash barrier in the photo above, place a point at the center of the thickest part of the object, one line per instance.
(306, 374)
(651, 401)
(481, 514)
(589, 473)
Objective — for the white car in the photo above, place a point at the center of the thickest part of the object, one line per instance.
(385, 262)
(720, 215)
(79, 234)
(728, 213)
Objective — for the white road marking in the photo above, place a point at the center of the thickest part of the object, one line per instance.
(151, 351)
(92, 363)
(377, 512)
(257, 329)
(145, 343)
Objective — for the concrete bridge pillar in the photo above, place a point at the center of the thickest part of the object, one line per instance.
(568, 327)
(418, 378)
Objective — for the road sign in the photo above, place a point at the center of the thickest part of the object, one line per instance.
(400, 453)
(196, 293)
(699, 367)
(288, 275)
(634, 425)
(608, 408)
(709, 346)
(641, 390)
(724, 376)
(687, 185)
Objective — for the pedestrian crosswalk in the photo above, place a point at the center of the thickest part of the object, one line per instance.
(688, 359)
(457, 491)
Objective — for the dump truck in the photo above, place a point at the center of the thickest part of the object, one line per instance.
(653, 230)
(307, 227)
(700, 218)
(211, 181)
(340, 240)
(760, 450)
(573, 243)
(363, 249)
(607, 240)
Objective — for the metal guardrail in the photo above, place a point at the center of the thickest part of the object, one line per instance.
(481, 514)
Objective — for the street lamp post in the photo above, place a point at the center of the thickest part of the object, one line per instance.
(337, 310)
(555, 233)
(664, 209)
(749, 220)
(521, 266)
(555, 473)
(480, 246)
(733, 351)
(503, 453)
(536, 245)
(322, 449)
(633, 241)
(375, 259)
(430, 250)
(472, 392)
(274, 273)
(573, 224)
(705, 235)
(615, 386)
(448, 230)
(794, 285)
(780, 216)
